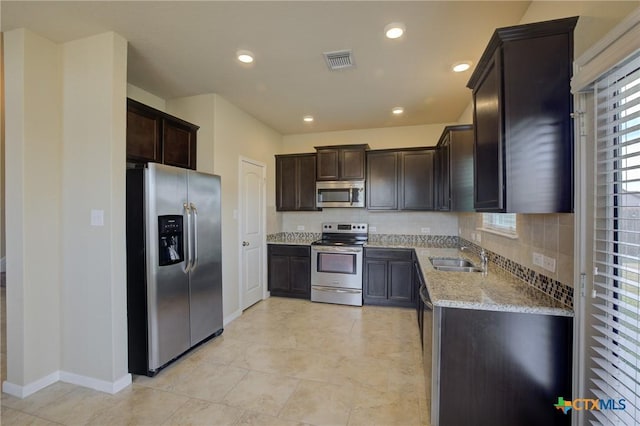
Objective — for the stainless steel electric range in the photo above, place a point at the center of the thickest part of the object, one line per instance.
(336, 263)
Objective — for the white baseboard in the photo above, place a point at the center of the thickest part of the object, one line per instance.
(96, 384)
(233, 316)
(3, 264)
(31, 388)
(64, 376)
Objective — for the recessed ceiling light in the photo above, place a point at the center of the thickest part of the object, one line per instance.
(308, 118)
(244, 56)
(397, 110)
(461, 66)
(394, 30)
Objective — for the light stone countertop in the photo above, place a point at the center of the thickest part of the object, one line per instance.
(293, 241)
(496, 291)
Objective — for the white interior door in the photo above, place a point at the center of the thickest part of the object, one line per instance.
(252, 233)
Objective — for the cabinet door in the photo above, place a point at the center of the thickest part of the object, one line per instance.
(382, 181)
(295, 182)
(286, 189)
(328, 164)
(179, 144)
(352, 162)
(416, 180)
(375, 282)
(443, 175)
(306, 183)
(144, 129)
(300, 275)
(487, 103)
(461, 170)
(400, 283)
(279, 277)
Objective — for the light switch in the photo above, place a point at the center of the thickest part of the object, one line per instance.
(97, 217)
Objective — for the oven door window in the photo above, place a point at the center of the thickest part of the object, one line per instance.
(337, 263)
(338, 195)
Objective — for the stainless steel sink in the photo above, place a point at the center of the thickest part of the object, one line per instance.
(453, 264)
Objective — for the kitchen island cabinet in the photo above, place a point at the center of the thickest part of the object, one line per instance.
(522, 105)
(388, 277)
(497, 368)
(289, 269)
(296, 182)
(155, 136)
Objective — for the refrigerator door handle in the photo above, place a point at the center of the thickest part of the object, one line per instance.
(187, 233)
(194, 263)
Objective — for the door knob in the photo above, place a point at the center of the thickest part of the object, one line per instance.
(245, 243)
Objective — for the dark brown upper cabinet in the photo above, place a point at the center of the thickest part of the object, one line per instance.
(342, 162)
(454, 169)
(523, 149)
(156, 136)
(400, 179)
(296, 182)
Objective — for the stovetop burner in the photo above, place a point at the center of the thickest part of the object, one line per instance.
(343, 234)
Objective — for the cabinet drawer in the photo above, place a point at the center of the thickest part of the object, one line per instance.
(388, 254)
(289, 250)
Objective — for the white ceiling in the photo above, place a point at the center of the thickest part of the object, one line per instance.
(179, 48)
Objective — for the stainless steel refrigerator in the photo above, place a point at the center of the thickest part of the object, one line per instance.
(174, 279)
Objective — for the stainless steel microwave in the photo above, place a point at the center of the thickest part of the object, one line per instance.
(340, 194)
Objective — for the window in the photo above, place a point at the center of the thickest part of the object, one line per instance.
(500, 223)
(616, 329)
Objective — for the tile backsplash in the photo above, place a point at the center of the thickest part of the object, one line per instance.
(550, 235)
(409, 223)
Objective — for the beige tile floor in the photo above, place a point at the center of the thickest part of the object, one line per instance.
(283, 362)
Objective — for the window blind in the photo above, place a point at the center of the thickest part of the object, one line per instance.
(501, 222)
(615, 340)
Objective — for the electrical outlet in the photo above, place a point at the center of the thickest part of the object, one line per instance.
(549, 264)
(300, 228)
(372, 229)
(473, 236)
(479, 237)
(425, 230)
(538, 259)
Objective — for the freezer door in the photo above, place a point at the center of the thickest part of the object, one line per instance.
(167, 285)
(206, 272)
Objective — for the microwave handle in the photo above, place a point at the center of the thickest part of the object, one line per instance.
(351, 196)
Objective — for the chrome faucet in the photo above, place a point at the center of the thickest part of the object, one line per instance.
(484, 261)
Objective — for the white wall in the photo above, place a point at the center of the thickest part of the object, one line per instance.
(94, 257)
(66, 281)
(33, 76)
(146, 98)
(199, 110)
(383, 222)
(386, 137)
(596, 17)
(239, 134)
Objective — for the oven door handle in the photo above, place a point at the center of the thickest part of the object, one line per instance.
(332, 249)
(336, 290)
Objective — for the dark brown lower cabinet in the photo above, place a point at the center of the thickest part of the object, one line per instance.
(500, 368)
(289, 270)
(388, 277)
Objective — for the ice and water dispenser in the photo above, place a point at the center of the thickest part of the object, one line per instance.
(170, 239)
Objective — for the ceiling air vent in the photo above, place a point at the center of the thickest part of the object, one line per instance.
(339, 60)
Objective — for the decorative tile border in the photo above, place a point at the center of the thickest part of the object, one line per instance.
(440, 241)
(559, 291)
(293, 236)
